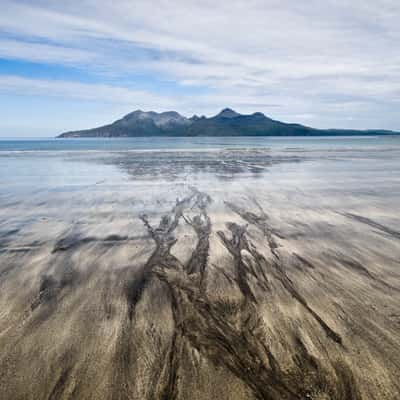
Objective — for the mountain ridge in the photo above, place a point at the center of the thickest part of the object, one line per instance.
(226, 123)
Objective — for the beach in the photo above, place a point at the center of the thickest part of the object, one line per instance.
(200, 269)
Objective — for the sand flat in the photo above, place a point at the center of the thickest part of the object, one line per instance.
(234, 274)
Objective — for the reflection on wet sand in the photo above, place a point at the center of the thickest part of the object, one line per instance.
(280, 282)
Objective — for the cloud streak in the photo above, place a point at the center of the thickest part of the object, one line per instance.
(82, 91)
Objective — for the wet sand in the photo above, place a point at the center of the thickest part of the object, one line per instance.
(234, 274)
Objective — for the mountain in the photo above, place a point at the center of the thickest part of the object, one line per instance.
(227, 123)
(227, 113)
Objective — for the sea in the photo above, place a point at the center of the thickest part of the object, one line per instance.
(326, 169)
(197, 143)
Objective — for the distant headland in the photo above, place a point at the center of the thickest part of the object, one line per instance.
(227, 123)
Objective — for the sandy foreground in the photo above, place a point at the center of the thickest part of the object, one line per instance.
(236, 274)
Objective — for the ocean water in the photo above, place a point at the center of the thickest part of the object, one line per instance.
(27, 165)
(157, 143)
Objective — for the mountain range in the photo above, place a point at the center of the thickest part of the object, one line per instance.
(227, 123)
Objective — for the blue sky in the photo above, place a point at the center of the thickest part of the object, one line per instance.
(78, 64)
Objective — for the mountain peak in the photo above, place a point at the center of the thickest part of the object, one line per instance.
(162, 119)
(228, 113)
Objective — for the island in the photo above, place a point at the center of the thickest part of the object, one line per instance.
(227, 123)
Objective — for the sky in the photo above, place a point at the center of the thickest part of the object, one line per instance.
(68, 65)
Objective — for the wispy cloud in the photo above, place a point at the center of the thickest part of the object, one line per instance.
(40, 52)
(333, 62)
(82, 91)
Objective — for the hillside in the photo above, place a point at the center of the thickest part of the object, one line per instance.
(226, 123)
